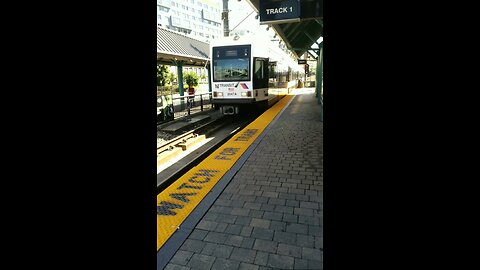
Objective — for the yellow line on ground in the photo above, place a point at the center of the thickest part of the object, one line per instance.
(176, 202)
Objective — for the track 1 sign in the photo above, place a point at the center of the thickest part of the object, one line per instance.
(279, 11)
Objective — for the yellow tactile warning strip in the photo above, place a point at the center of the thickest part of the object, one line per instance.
(176, 202)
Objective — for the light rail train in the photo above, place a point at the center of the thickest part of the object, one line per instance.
(243, 72)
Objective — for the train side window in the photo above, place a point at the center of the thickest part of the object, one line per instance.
(259, 69)
(265, 69)
(272, 66)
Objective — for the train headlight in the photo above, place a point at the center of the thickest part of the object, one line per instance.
(214, 94)
(244, 94)
(249, 94)
(220, 94)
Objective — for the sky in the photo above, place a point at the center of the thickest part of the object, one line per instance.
(242, 10)
(239, 11)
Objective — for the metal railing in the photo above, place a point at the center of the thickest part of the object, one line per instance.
(190, 104)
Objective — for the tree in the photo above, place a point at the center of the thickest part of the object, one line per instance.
(191, 79)
(170, 78)
(162, 75)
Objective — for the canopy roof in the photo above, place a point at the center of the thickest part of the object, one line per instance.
(300, 36)
(172, 46)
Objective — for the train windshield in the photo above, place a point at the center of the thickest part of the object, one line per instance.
(231, 63)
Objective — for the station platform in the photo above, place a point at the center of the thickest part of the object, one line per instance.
(257, 203)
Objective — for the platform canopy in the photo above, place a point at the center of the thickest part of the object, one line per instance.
(300, 36)
(174, 47)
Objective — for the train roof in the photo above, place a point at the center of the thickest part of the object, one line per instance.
(260, 48)
(232, 40)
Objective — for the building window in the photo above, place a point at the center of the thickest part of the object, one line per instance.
(175, 21)
(160, 8)
(207, 15)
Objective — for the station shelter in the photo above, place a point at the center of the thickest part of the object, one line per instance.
(175, 49)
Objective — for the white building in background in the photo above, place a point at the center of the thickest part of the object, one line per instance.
(199, 19)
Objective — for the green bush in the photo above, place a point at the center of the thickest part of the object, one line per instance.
(171, 78)
(191, 79)
(165, 90)
(162, 75)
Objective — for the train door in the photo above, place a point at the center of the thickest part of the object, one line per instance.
(260, 78)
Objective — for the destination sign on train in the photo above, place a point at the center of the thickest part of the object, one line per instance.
(279, 11)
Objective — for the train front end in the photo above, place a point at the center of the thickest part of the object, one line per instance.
(232, 77)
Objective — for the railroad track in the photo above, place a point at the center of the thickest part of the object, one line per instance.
(177, 145)
(222, 132)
